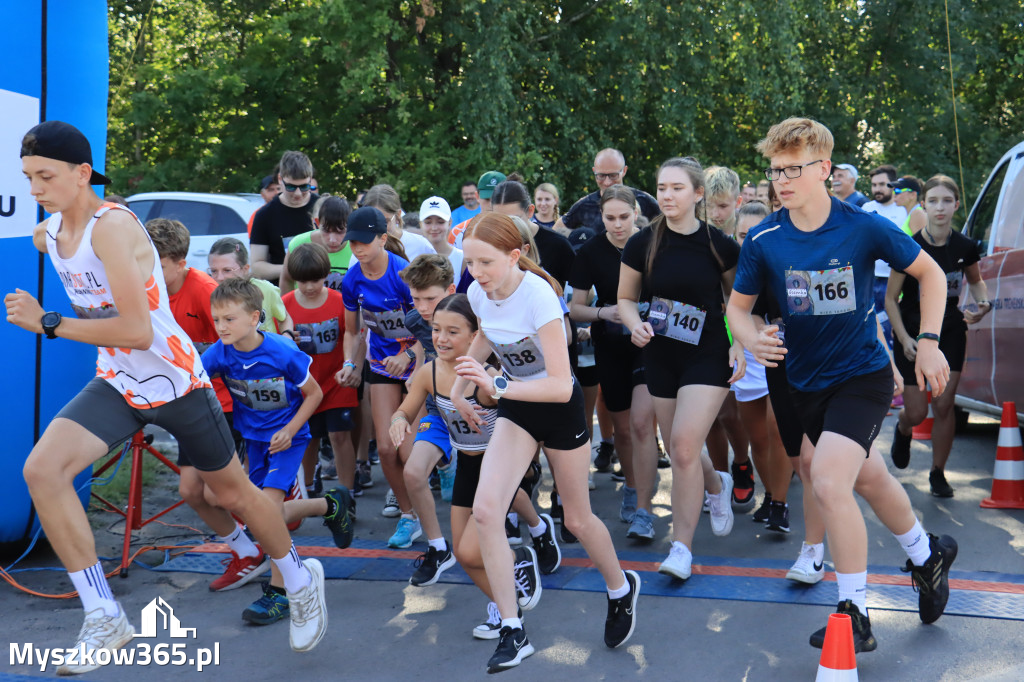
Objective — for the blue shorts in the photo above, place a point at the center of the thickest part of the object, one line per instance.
(278, 470)
(432, 429)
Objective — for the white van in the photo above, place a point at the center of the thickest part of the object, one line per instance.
(994, 368)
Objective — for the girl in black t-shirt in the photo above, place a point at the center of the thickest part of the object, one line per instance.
(617, 361)
(958, 257)
(685, 267)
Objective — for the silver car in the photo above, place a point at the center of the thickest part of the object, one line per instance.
(208, 217)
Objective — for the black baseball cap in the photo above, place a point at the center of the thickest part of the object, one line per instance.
(63, 142)
(366, 224)
(580, 236)
(267, 181)
(906, 183)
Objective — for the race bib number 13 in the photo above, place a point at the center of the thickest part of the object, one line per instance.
(820, 292)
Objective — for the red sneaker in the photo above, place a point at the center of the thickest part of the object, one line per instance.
(297, 492)
(241, 571)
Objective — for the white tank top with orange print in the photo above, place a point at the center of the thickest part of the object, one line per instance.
(169, 368)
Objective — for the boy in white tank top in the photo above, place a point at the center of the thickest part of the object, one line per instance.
(147, 372)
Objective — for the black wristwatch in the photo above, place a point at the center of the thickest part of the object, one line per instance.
(411, 354)
(50, 322)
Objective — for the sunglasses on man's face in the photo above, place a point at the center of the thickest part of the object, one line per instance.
(289, 187)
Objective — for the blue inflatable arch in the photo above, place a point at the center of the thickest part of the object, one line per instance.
(57, 58)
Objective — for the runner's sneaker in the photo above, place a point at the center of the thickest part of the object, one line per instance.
(363, 474)
(863, 640)
(567, 536)
(603, 461)
(549, 556)
(308, 610)
(434, 480)
(490, 628)
(430, 565)
(931, 581)
(743, 484)
(406, 531)
(372, 454)
(619, 475)
(706, 508)
(937, 481)
(512, 533)
(297, 492)
(391, 508)
(590, 481)
(328, 470)
(900, 450)
(527, 577)
(513, 647)
(240, 571)
(628, 508)
(663, 461)
(806, 569)
(340, 522)
(721, 509)
(679, 562)
(778, 517)
(99, 631)
(447, 476)
(762, 512)
(621, 620)
(642, 527)
(270, 608)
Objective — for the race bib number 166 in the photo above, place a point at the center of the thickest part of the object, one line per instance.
(820, 292)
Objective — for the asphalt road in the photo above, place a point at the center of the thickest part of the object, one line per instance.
(388, 630)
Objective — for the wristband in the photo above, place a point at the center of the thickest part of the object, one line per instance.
(599, 314)
(929, 336)
(349, 363)
(399, 417)
(988, 303)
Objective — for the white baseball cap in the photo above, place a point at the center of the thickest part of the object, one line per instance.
(849, 168)
(435, 206)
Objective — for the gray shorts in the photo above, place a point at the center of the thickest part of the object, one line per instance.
(195, 420)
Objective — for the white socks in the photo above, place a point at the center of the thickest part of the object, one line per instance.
(94, 591)
(294, 573)
(538, 530)
(240, 543)
(621, 592)
(854, 586)
(915, 543)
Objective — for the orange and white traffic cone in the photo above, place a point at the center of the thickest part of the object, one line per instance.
(923, 431)
(838, 661)
(1008, 479)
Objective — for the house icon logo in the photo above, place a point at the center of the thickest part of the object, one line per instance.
(158, 614)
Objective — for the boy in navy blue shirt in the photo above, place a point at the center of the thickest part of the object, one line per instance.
(817, 255)
(274, 396)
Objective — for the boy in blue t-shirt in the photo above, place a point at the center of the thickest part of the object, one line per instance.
(817, 255)
(274, 396)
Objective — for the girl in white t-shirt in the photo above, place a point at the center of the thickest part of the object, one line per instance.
(539, 403)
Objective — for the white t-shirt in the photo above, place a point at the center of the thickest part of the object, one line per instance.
(455, 258)
(415, 245)
(511, 325)
(894, 212)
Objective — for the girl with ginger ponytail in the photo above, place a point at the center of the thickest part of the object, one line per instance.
(539, 403)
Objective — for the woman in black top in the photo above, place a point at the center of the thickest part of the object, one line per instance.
(617, 360)
(684, 266)
(958, 256)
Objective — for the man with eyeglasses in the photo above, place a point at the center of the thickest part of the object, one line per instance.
(609, 169)
(283, 217)
(816, 256)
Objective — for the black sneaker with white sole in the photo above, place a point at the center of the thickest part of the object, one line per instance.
(778, 517)
(549, 556)
(512, 533)
(430, 565)
(900, 450)
(527, 577)
(513, 647)
(621, 620)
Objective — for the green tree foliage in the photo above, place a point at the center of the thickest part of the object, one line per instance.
(206, 94)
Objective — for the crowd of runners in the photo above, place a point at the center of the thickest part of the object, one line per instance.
(779, 320)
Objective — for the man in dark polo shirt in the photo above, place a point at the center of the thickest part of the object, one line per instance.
(609, 169)
(283, 217)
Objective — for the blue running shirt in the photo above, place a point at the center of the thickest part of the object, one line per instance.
(264, 384)
(384, 303)
(824, 283)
